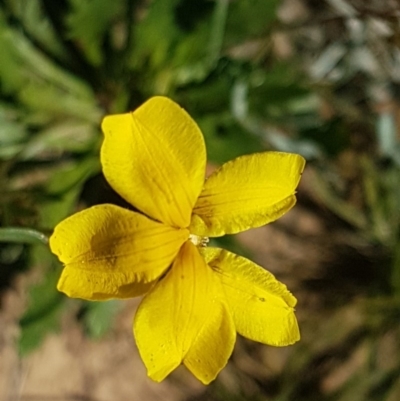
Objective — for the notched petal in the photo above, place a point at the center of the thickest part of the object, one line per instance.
(155, 158)
(261, 306)
(111, 252)
(214, 344)
(183, 319)
(247, 192)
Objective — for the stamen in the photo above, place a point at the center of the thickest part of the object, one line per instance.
(199, 241)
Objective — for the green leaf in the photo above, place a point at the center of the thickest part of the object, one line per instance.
(191, 59)
(155, 36)
(225, 139)
(54, 103)
(89, 21)
(10, 254)
(99, 317)
(208, 97)
(218, 28)
(52, 211)
(278, 92)
(72, 175)
(12, 130)
(249, 19)
(31, 15)
(10, 70)
(65, 136)
(43, 313)
(22, 62)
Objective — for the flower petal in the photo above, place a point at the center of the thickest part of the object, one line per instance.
(247, 192)
(155, 158)
(111, 252)
(183, 319)
(261, 306)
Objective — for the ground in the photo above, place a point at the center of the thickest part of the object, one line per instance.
(69, 366)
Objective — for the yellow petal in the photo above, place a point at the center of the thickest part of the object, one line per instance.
(247, 192)
(261, 306)
(155, 158)
(111, 252)
(214, 344)
(184, 319)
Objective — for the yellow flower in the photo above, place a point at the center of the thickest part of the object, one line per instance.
(197, 298)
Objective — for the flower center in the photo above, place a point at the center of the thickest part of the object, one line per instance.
(198, 241)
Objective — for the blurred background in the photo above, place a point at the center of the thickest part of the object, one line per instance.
(316, 77)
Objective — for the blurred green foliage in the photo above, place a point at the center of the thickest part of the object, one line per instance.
(65, 64)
